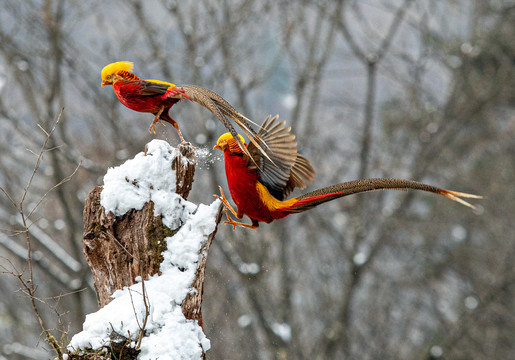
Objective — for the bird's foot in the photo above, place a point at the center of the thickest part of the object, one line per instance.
(152, 127)
(227, 208)
(237, 223)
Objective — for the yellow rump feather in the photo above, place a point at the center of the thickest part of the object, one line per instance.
(113, 68)
(271, 202)
(161, 82)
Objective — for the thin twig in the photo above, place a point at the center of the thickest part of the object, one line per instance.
(28, 285)
(39, 158)
(147, 313)
(66, 179)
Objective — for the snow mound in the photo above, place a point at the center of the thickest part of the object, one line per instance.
(169, 334)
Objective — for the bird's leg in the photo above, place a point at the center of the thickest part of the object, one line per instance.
(152, 128)
(227, 208)
(166, 117)
(174, 124)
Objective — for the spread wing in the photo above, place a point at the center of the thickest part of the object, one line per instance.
(285, 169)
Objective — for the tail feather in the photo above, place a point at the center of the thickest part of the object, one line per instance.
(456, 196)
(317, 197)
(223, 110)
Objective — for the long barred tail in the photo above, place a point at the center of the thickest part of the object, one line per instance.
(317, 197)
(225, 111)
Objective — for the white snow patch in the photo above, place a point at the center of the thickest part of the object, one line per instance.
(169, 334)
(144, 178)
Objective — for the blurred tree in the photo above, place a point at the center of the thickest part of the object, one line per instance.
(420, 90)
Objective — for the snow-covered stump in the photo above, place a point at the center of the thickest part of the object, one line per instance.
(147, 248)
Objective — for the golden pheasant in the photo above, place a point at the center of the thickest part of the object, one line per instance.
(157, 97)
(259, 191)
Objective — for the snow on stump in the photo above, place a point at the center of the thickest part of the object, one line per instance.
(147, 248)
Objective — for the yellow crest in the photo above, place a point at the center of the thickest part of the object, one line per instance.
(227, 140)
(115, 67)
(227, 137)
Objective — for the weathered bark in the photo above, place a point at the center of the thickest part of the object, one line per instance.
(185, 170)
(192, 304)
(120, 249)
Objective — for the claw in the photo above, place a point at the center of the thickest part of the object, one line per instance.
(236, 223)
(152, 127)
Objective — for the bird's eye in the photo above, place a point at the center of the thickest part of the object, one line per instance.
(108, 77)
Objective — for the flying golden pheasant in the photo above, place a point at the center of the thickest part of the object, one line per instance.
(157, 97)
(260, 191)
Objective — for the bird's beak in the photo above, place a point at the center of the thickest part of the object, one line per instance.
(217, 147)
(105, 82)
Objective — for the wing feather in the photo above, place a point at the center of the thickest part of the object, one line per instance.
(286, 169)
(149, 88)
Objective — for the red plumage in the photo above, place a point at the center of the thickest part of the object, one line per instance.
(157, 97)
(242, 181)
(131, 95)
(258, 191)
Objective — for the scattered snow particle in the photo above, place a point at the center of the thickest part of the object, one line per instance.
(211, 124)
(436, 351)
(432, 127)
(479, 210)
(206, 158)
(359, 258)
(43, 223)
(249, 268)
(471, 302)
(202, 153)
(459, 233)
(289, 101)
(244, 320)
(454, 61)
(200, 139)
(122, 154)
(59, 224)
(470, 50)
(22, 65)
(37, 255)
(282, 330)
(340, 220)
(466, 48)
(75, 283)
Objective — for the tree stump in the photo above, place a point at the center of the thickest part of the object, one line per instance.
(120, 249)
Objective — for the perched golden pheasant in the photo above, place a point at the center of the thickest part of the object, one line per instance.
(260, 191)
(157, 97)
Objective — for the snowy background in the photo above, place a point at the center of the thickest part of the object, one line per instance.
(411, 89)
